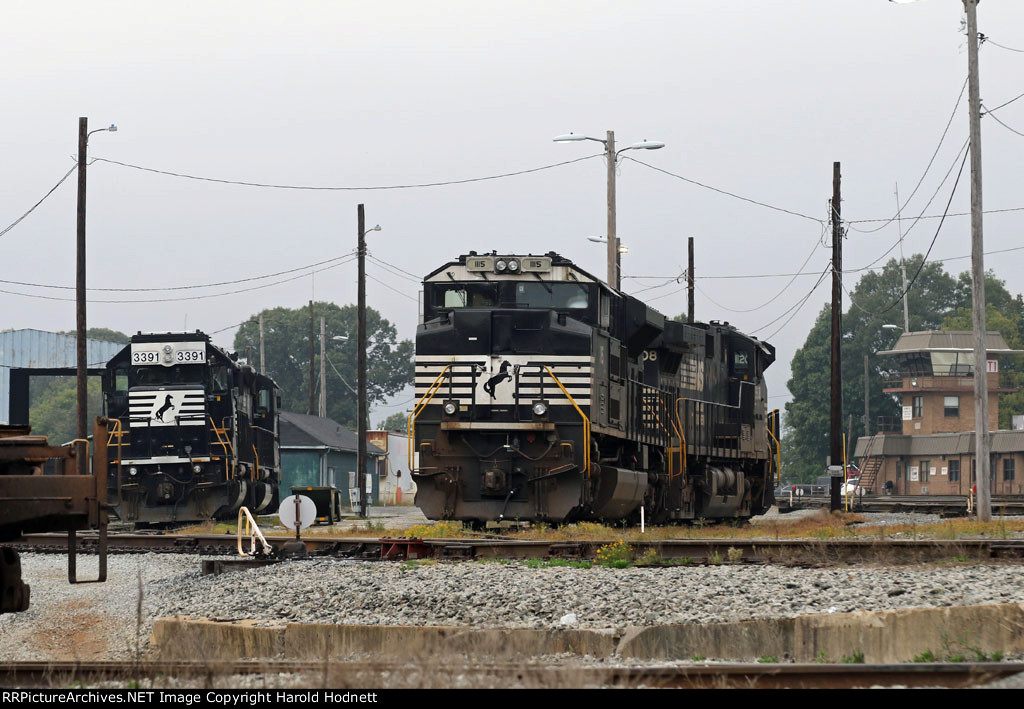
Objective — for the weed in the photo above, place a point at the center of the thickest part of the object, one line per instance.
(768, 659)
(995, 656)
(715, 558)
(734, 554)
(617, 555)
(959, 657)
(534, 563)
(651, 557)
(820, 659)
(435, 530)
(698, 658)
(926, 656)
(857, 658)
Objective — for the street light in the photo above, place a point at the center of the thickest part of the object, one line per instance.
(82, 363)
(612, 156)
(981, 445)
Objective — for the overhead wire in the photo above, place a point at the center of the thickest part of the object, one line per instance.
(326, 188)
(721, 191)
(53, 189)
(928, 167)
(189, 287)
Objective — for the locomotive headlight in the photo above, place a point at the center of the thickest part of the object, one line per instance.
(450, 407)
(500, 265)
(513, 265)
(197, 468)
(133, 470)
(540, 408)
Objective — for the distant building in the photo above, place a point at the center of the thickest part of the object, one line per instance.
(25, 353)
(930, 449)
(317, 452)
(396, 484)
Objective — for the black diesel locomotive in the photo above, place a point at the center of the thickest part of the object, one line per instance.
(194, 433)
(543, 394)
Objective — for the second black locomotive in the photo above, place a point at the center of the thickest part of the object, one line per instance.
(194, 433)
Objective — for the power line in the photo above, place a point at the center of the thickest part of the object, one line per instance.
(18, 221)
(175, 288)
(346, 189)
(720, 191)
(988, 40)
(795, 308)
(1012, 130)
(404, 295)
(190, 297)
(963, 150)
(927, 253)
(899, 210)
(394, 270)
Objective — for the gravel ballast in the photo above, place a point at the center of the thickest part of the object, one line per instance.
(102, 621)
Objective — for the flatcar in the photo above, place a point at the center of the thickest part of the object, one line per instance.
(194, 433)
(544, 395)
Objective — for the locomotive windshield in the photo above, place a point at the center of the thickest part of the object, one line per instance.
(509, 294)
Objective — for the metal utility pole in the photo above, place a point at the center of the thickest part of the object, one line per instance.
(361, 363)
(836, 386)
(981, 445)
(263, 360)
(613, 240)
(903, 264)
(82, 363)
(312, 362)
(689, 282)
(323, 367)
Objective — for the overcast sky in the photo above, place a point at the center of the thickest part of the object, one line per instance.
(755, 98)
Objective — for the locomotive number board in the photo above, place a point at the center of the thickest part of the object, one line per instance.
(168, 354)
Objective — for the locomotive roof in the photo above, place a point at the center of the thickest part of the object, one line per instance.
(556, 260)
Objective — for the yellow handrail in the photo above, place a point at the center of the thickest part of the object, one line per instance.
(225, 444)
(778, 454)
(586, 421)
(256, 470)
(682, 434)
(431, 391)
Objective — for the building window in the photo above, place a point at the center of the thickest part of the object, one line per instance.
(954, 471)
(924, 470)
(918, 407)
(1008, 468)
(951, 406)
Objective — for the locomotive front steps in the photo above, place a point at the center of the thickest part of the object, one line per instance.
(882, 637)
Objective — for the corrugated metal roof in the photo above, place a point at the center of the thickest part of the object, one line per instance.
(37, 349)
(947, 341)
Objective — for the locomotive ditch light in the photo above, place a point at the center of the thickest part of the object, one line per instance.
(451, 408)
(540, 408)
(133, 470)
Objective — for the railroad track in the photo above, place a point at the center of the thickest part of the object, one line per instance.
(945, 505)
(697, 551)
(386, 675)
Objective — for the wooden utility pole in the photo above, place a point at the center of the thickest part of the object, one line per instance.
(361, 363)
(689, 281)
(263, 352)
(836, 386)
(312, 362)
(83, 371)
(981, 444)
(613, 241)
(323, 367)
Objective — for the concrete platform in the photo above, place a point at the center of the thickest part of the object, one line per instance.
(882, 637)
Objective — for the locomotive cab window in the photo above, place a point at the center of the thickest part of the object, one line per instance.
(158, 376)
(219, 379)
(558, 296)
(120, 381)
(465, 295)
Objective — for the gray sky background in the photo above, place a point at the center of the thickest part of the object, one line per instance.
(756, 98)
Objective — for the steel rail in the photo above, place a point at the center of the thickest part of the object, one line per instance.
(381, 674)
(669, 551)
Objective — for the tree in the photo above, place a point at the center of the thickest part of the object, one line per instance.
(53, 401)
(875, 302)
(395, 422)
(1004, 314)
(286, 332)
